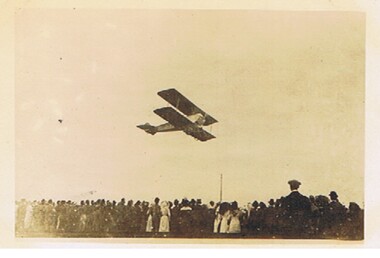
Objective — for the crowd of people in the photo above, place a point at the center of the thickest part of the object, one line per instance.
(293, 216)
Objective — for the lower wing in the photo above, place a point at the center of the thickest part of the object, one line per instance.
(184, 124)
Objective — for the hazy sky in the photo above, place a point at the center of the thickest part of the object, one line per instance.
(286, 87)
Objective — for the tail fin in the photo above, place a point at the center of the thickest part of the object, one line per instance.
(148, 128)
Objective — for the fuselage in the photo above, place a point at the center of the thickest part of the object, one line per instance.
(166, 128)
(197, 119)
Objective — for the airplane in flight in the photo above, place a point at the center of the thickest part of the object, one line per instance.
(190, 123)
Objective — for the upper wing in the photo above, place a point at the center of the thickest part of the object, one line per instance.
(184, 124)
(184, 105)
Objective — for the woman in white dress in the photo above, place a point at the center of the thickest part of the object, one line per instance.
(236, 214)
(226, 216)
(149, 222)
(165, 217)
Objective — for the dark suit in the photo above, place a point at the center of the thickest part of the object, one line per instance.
(337, 215)
(296, 202)
(297, 210)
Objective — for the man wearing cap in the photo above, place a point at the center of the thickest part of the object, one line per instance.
(297, 208)
(335, 205)
(295, 201)
(337, 213)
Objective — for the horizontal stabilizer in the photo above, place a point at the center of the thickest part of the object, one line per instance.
(148, 128)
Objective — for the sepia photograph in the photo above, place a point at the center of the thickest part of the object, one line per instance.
(189, 124)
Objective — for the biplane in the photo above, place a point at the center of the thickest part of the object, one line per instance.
(191, 122)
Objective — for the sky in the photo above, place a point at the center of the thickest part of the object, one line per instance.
(286, 87)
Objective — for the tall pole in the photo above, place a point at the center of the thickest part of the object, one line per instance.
(221, 188)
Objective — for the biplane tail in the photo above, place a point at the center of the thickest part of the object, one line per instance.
(148, 128)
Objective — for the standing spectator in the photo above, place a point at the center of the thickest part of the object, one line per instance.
(97, 216)
(185, 218)
(354, 224)
(144, 215)
(60, 216)
(336, 214)
(119, 213)
(137, 217)
(270, 218)
(83, 217)
(295, 201)
(245, 217)
(322, 221)
(314, 215)
(297, 210)
(128, 217)
(51, 216)
(149, 222)
(174, 220)
(218, 218)
(253, 220)
(165, 217)
(155, 212)
(236, 215)
(91, 208)
(260, 214)
(226, 216)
